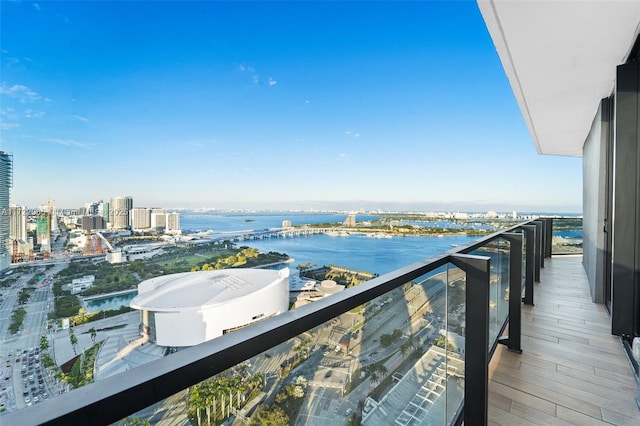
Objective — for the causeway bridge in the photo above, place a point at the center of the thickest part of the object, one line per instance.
(266, 234)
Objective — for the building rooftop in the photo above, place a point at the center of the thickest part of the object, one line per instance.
(202, 288)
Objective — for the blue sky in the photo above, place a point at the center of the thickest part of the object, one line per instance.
(267, 105)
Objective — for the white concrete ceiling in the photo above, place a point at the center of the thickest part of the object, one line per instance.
(560, 57)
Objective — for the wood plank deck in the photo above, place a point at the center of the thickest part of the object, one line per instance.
(572, 370)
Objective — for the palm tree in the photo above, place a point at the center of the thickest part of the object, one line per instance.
(404, 349)
(374, 378)
(195, 401)
(382, 370)
(44, 343)
(74, 340)
(93, 332)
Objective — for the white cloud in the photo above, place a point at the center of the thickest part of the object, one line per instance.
(80, 118)
(29, 113)
(342, 155)
(255, 79)
(351, 134)
(36, 6)
(20, 92)
(307, 101)
(244, 68)
(272, 82)
(212, 170)
(66, 142)
(8, 126)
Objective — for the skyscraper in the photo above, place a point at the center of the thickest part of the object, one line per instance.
(119, 211)
(140, 218)
(103, 210)
(18, 223)
(173, 222)
(6, 182)
(158, 220)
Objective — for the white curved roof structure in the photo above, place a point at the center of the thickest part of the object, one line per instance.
(186, 309)
(200, 289)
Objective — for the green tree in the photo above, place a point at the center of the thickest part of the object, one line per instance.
(375, 379)
(386, 340)
(382, 370)
(270, 415)
(196, 402)
(44, 343)
(93, 332)
(74, 340)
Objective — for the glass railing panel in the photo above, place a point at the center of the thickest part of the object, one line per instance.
(498, 251)
(567, 235)
(449, 373)
(388, 361)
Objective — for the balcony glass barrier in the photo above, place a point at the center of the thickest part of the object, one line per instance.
(498, 251)
(398, 358)
(390, 350)
(567, 236)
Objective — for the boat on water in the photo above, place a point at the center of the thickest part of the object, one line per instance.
(337, 233)
(379, 235)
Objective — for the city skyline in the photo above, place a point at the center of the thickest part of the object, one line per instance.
(268, 106)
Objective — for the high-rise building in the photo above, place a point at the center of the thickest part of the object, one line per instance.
(140, 218)
(119, 209)
(6, 182)
(18, 223)
(93, 222)
(103, 210)
(173, 223)
(91, 209)
(158, 220)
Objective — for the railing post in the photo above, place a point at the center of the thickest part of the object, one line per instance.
(537, 251)
(515, 292)
(530, 236)
(476, 359)
(543, 240)
(549, 238)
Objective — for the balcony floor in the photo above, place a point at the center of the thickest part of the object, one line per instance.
(572, 370)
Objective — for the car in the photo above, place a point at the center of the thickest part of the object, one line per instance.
(27, 400)
(325, 353)
(327, 374)
(36, 399)
(349, 411)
